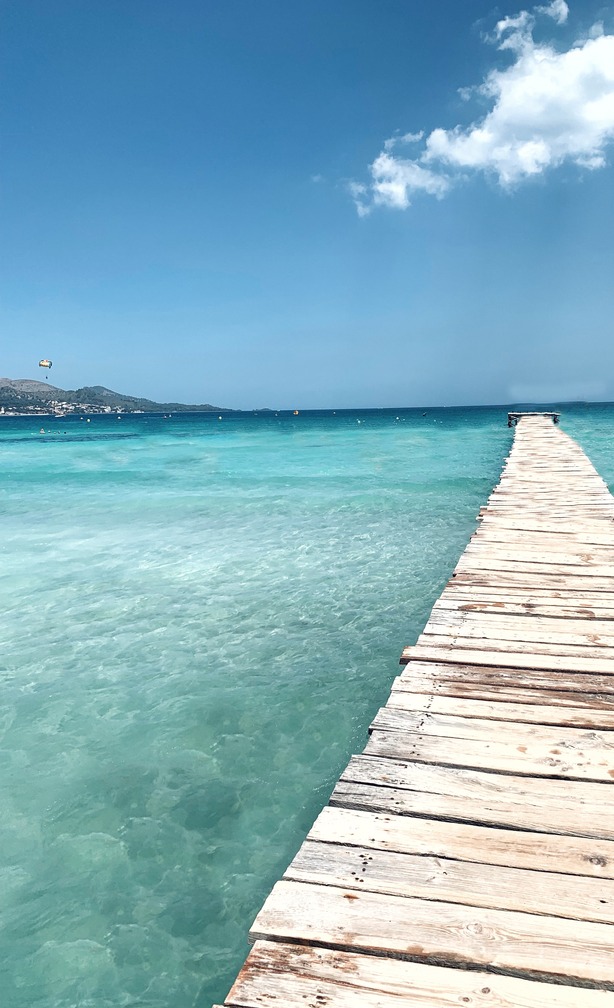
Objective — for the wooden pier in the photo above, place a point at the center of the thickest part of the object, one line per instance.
(513, 418)
(467, 855)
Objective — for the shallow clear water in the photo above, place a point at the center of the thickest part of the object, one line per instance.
(198, 619)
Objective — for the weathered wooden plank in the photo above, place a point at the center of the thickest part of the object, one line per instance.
(564, 472)
(556, 610)
(527, 580)
(576, 515)
(586, 483)
(535, 656)
(545, 514)
(464, 588)
(533, 472)
(549, 541)
(588, 625)
(474, 562)
(279, 975)
(550, 496)
(497, 643)
(472, 883)
(424, 687)
(403, 698)
(579, 515)
(591, 505)
(581, 620)
(579, 808)
(404, 926)
(549, 485)
(594, 534)
(482, 554)
(521, 629)
(550, 609)
(455, 726)
(584, 628)
(590, 761)
(498, 677)
(514, 607)
(584, 488)
(438, 838)
(542, 494)
(544, 545)
(546, 489)
(477, 603)
(548, 482)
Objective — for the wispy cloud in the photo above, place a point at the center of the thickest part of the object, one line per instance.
(558, 10)
(547, 107)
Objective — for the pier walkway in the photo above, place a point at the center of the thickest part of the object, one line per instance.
(467, 855)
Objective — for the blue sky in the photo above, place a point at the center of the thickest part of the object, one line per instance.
(328, 203)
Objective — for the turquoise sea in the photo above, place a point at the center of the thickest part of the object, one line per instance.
(199, 618)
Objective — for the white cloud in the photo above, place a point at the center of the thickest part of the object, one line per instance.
(546, 108)
(393, 181)
(596, 30)
(558, 10)
(404, 138)
(515, 32)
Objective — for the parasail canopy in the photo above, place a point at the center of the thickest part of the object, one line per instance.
(45, 363)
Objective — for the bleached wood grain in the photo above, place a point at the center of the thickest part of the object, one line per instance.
(427, 929)
(279, 975)
(511, 848)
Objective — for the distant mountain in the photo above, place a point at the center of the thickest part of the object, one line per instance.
(22, 395)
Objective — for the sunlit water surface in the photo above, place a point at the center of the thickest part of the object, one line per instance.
(199, 618)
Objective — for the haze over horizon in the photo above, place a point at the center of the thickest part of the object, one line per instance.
(316, 206)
